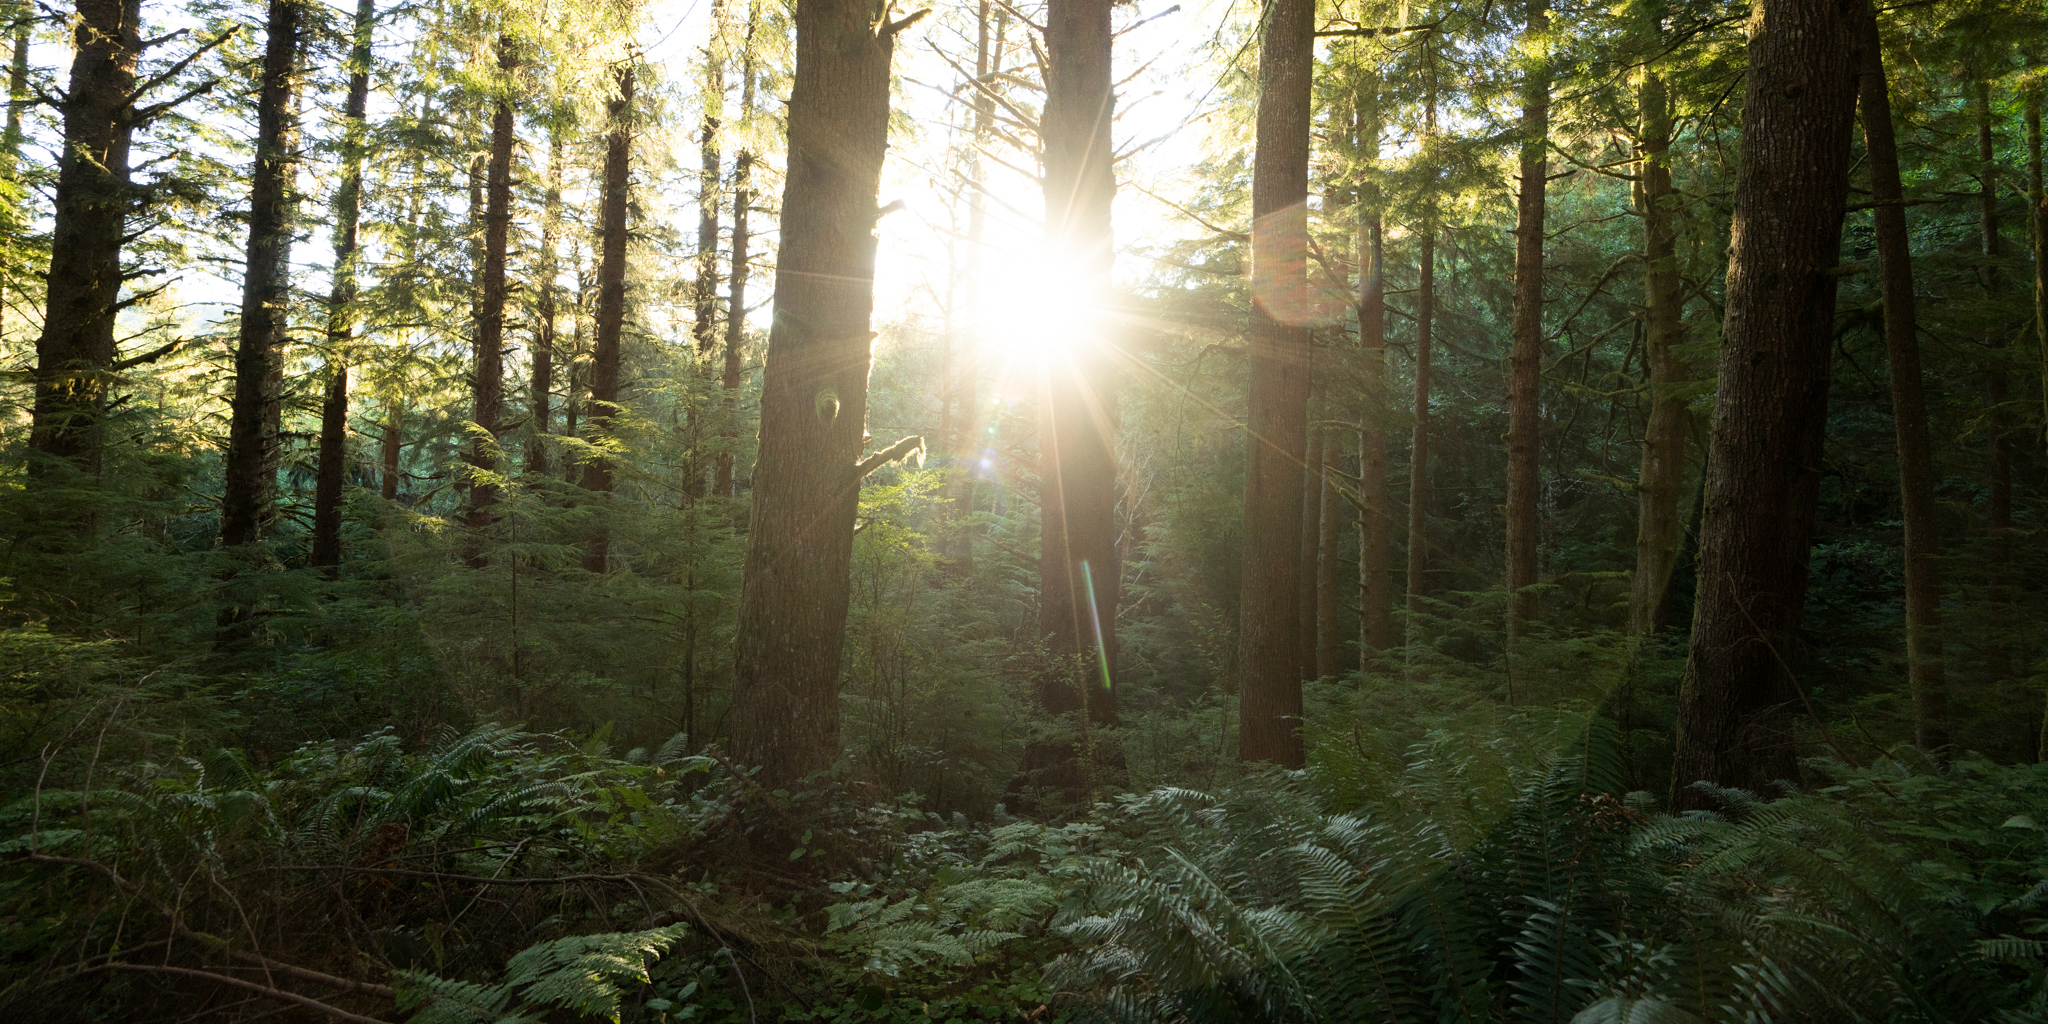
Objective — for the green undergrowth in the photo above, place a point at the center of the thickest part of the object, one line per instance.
(1498, 872)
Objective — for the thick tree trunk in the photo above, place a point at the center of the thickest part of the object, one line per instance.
(1764, 463)
(1660, 482)
(1376, 518)
(75, 352)
(1525, 358)
(341, 301)
(1329, 648)
(1276, 421)
(1909, 404)
(541, 388)
(792, 619)
(1079, 568)
(488, 389)
(249, 470)
(611, 305)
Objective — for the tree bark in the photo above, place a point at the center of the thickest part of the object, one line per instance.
(488, 389)
(1997, 389)
(1376, 518)
(541, 388)
(1909, 404)
(2038, 220)
(341, 301)
(733, 378)
(1525, 356)
(1764, 462)
(1329, 550)
(76, 348)
(249, 470)
(1661, 480)
(394, 446)
(1311, 540)
(795, 589)
(611, 306)
(1425, 322)
(1276, 420)
(17, 92)
(711, 93)
(1079, 566)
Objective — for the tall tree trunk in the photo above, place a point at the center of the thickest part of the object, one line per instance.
(1425, 324)
(1660, 482)
(488, 389)
(1998, 490)
(341, 301)
(1525, 359)
(792, 618)
(711, 93)
(1418, 458)
(2037, 219)
(1328, 544)
(249, 498)
(1276, 420)
(1763, 466)
(733, 377)
(1311, 538)
(957, 543)
(611, 305)
(75, 353)
(1079, 568)
(541, 388)
(1909, 404)
(1375, 518)
(17, 91)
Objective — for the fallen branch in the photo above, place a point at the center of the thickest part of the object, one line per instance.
(264, 990)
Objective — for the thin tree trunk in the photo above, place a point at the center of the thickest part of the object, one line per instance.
(1660, 482)
(1311, 540)
(2038, 221)
(1526, 352)
(1078, 564)
(341, 301)
(1998, 489)
(542, 387)
(488, 389)
(611, 305)
(1375, 519)
(1425, 323)
(17, 91)
(796, 583)
(1328, 647)
(394, 445)
(1418, 458)
(733, 377)
(249, 470)
(956, 541)
(1276, 420)
(1909, 404)
(1763, 466)
(75, 353)
(711, 93)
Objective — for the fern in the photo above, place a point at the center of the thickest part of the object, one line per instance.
(577, 973)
